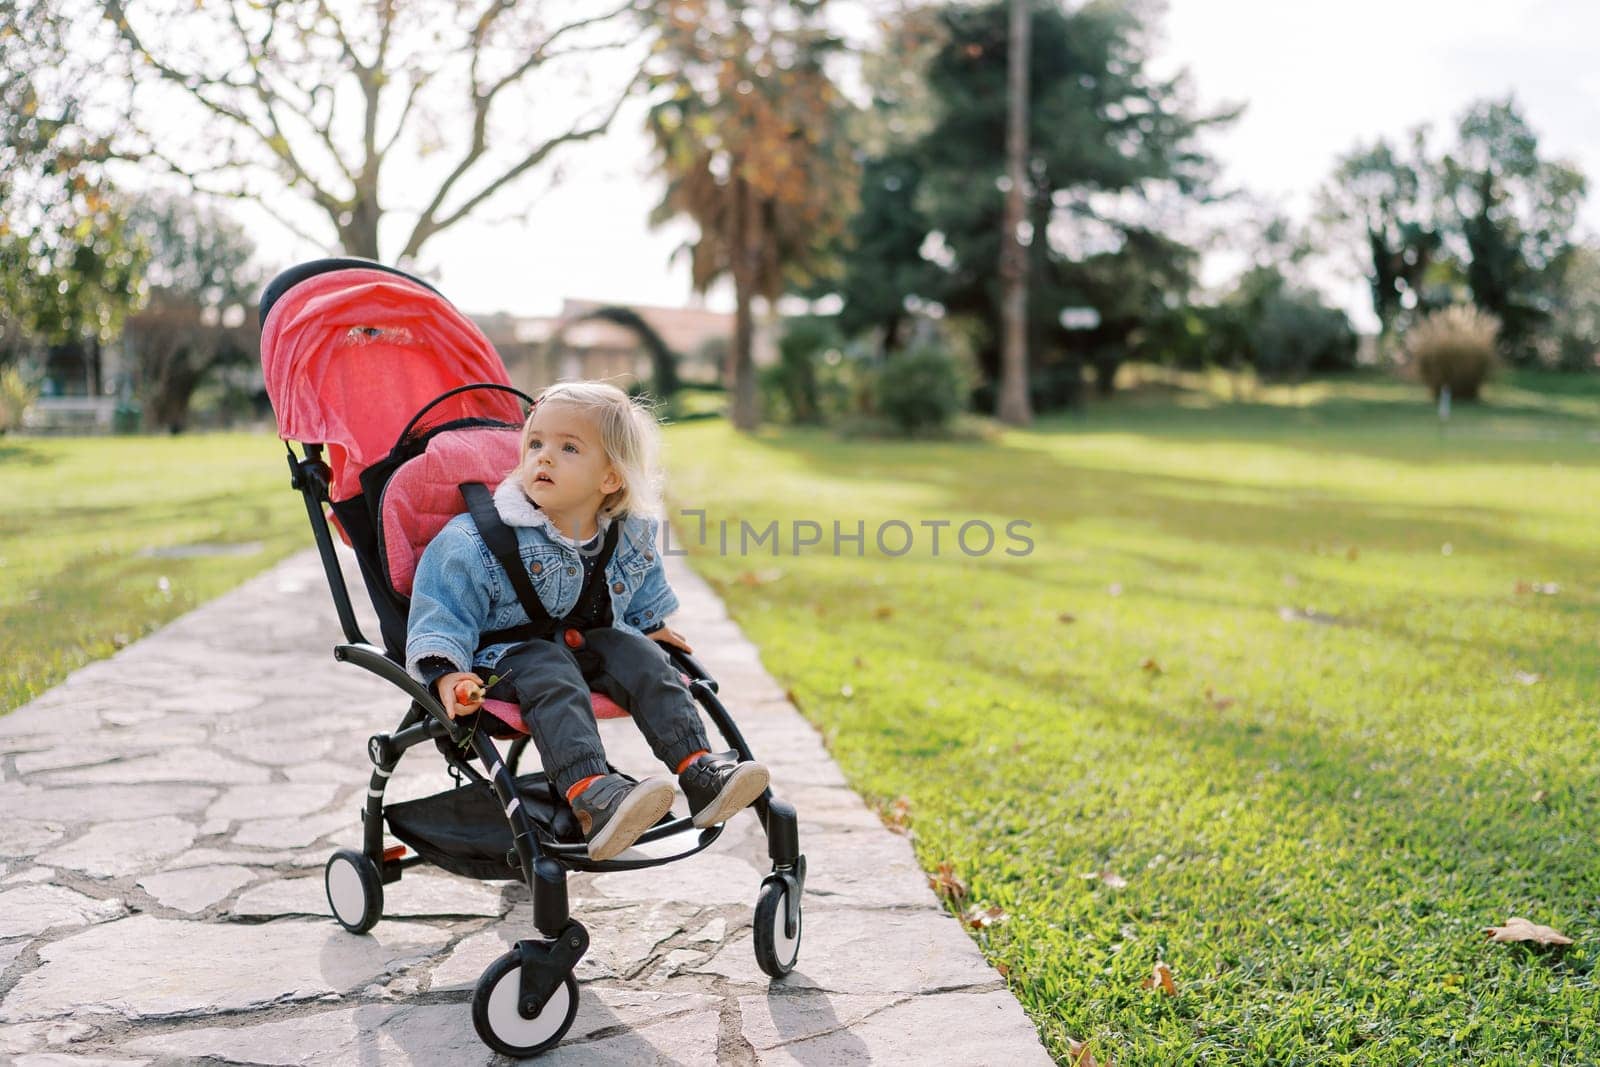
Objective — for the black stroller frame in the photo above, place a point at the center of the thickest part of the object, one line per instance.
(528, 979)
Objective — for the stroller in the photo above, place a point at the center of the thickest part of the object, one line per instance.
(414, 411)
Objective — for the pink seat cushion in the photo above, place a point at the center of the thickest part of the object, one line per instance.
(424, 493)
(511, 715)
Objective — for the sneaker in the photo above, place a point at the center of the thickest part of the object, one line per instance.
(614, 811)
(720, 785)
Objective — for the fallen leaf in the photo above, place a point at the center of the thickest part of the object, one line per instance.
(945, 883)
(1150, 665)
(859, 662)
(1078, 1055)
(898, 816)
(1161, 978)
(1541, 796)
(1517, 929)
(1541, 588)
(1109, 878)
(755, 578)
(1219, 703)
(1352, 553)
(1005, 972)
(981, 918)
(884, 612)
(1066, 616)
(1527, 678)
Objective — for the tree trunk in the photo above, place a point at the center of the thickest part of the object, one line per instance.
(746, 412)
(1013, 400)
(358, 227)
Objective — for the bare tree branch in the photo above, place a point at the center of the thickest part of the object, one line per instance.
(428, 224)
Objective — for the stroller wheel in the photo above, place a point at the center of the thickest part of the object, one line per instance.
(776, 952)
(355, 890)
(497, 1015)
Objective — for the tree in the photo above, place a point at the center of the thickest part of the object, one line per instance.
(318, 96)
(749, 125)
(68, 273)
(1013, 404)
(1110, 148)
(202, 285)
(1514, 214)
(1382, 199)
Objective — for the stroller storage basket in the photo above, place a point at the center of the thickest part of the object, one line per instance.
(465, 831)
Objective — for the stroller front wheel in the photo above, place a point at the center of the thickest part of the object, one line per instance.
(776, 950)
(355, 890)
(497, 1016)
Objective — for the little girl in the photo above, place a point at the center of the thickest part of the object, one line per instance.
(585, 481)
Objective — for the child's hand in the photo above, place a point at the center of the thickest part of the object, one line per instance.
(668, 636)
(461, 693)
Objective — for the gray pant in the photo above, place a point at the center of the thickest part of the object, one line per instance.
(551, 683)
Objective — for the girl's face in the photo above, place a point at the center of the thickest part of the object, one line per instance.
(566, 469)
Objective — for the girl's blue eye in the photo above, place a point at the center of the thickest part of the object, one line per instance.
(572, 448)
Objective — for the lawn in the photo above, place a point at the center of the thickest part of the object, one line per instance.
(1312, 675)
(103, 539)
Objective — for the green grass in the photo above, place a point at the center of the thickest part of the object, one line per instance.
(81, 517)
(1315, 819)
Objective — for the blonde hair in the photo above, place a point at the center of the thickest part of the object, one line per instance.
(629, 434)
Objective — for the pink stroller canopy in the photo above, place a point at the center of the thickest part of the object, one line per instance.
(350, 355)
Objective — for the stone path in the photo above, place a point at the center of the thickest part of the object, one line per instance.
(165, 815)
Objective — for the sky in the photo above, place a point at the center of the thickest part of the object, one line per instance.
(1316, 79)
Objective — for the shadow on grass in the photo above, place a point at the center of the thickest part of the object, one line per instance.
(1046, 488)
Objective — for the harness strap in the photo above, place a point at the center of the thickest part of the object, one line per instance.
(501, 541)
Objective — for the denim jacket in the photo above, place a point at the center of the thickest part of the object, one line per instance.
(461, 591)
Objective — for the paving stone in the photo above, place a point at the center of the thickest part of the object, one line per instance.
(682, 1039)
(108, 802)
(271, 746)
(964, 1027)
(712, 877)
(196, 889)
(66, 1059)
(711, 931)
(844, 951)
(278, 799)
(24, 837)
(206, 857)
(32, 909)
(415, 895)
(82, 755)
(297, 832)
(31, 874)
(677, 962)
(787, 1015)
(341, 774)
(114, 849)
(177, 765)
(620, 944)
(370, 1034)
(865, 868)
(146, 966)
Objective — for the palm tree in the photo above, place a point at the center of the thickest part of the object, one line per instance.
(749, 134)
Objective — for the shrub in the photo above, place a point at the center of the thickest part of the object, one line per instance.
(922, 389)
(817, 378)
(1297, 334)
(1453, 347)
(16, 397)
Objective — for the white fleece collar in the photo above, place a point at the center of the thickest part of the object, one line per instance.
(517, 510)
